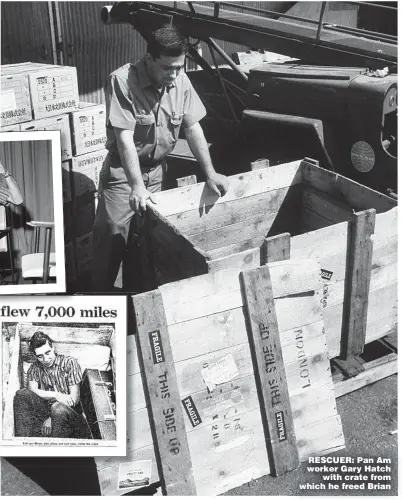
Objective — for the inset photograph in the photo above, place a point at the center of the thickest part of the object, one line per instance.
(59, 382)
(31, 213)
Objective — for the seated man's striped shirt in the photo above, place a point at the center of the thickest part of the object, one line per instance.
(64, 372)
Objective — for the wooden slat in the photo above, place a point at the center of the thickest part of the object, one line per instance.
(373, 371)
(276, 248)
(271, 371)
(325, 206)
(259, 224)
(12, 388)
(328, 245)
(345, 190)
(220, 283)
(326, 436)
(313, 405)
(66, 334)
(242, 245)
(358, 277)
(207, 218)
(248, 259)
(242, 185)
(159, 370)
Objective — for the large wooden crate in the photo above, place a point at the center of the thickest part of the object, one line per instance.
(207, 384)
(293, 210)
(94, 347)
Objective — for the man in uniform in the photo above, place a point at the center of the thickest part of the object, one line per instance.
(50, 405)
(147, 103)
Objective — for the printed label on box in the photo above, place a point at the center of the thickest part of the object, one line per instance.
(8, 102)
(219, 372)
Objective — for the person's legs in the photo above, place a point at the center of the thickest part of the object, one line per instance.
(134, 272)
(67, 423)
(111, 229)
(30, 412)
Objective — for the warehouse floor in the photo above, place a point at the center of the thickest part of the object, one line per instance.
(368, 416)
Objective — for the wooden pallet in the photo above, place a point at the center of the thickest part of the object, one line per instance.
(377, 361)
(208, 389)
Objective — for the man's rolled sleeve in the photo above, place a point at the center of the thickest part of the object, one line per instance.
(74, 375)
(33, 374)
(194, 109)
(119, 105)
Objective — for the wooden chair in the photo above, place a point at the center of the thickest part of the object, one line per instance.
(5, 238)
(40, 265)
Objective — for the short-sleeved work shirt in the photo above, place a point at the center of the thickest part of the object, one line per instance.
(64, 372)
(154, 115)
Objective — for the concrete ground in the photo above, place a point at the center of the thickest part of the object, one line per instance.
(368, 416)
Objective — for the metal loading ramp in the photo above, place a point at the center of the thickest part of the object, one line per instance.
(303, 38)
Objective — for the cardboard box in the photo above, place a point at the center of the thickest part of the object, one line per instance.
(84, 253)
(85, 171)
(10, 128)
(15, 103)
(53, 89)
(88, 131)
(61, 123)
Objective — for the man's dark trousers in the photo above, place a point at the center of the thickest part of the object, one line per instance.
(30, 412)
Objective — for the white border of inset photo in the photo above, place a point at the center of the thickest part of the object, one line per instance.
(58, 232)
(31, 314)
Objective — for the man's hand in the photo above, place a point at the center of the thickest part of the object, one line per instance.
(47, 427)
(138, 199)
(218, 183)
(66, 399)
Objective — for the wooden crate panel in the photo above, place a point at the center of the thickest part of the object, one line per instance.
(222, 214)
(139, 440)
(216, 379)
(247, 184)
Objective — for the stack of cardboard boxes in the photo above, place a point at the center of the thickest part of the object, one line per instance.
(45, 97)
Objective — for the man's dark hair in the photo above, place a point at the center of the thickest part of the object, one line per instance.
(167, 41)
(39, 339)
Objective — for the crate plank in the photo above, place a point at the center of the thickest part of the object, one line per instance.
(67, 334)
(247, 259)
(325, 206)
(262, 320)
(226, 250)
(176, 465)
(328, 245)
(326, 436)
(206, 334)
(14, 384)
(357, 284)
(222, 214)
(242, 185)
(345, 190)
(260, 223)
(313, 405)
(276, 248)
